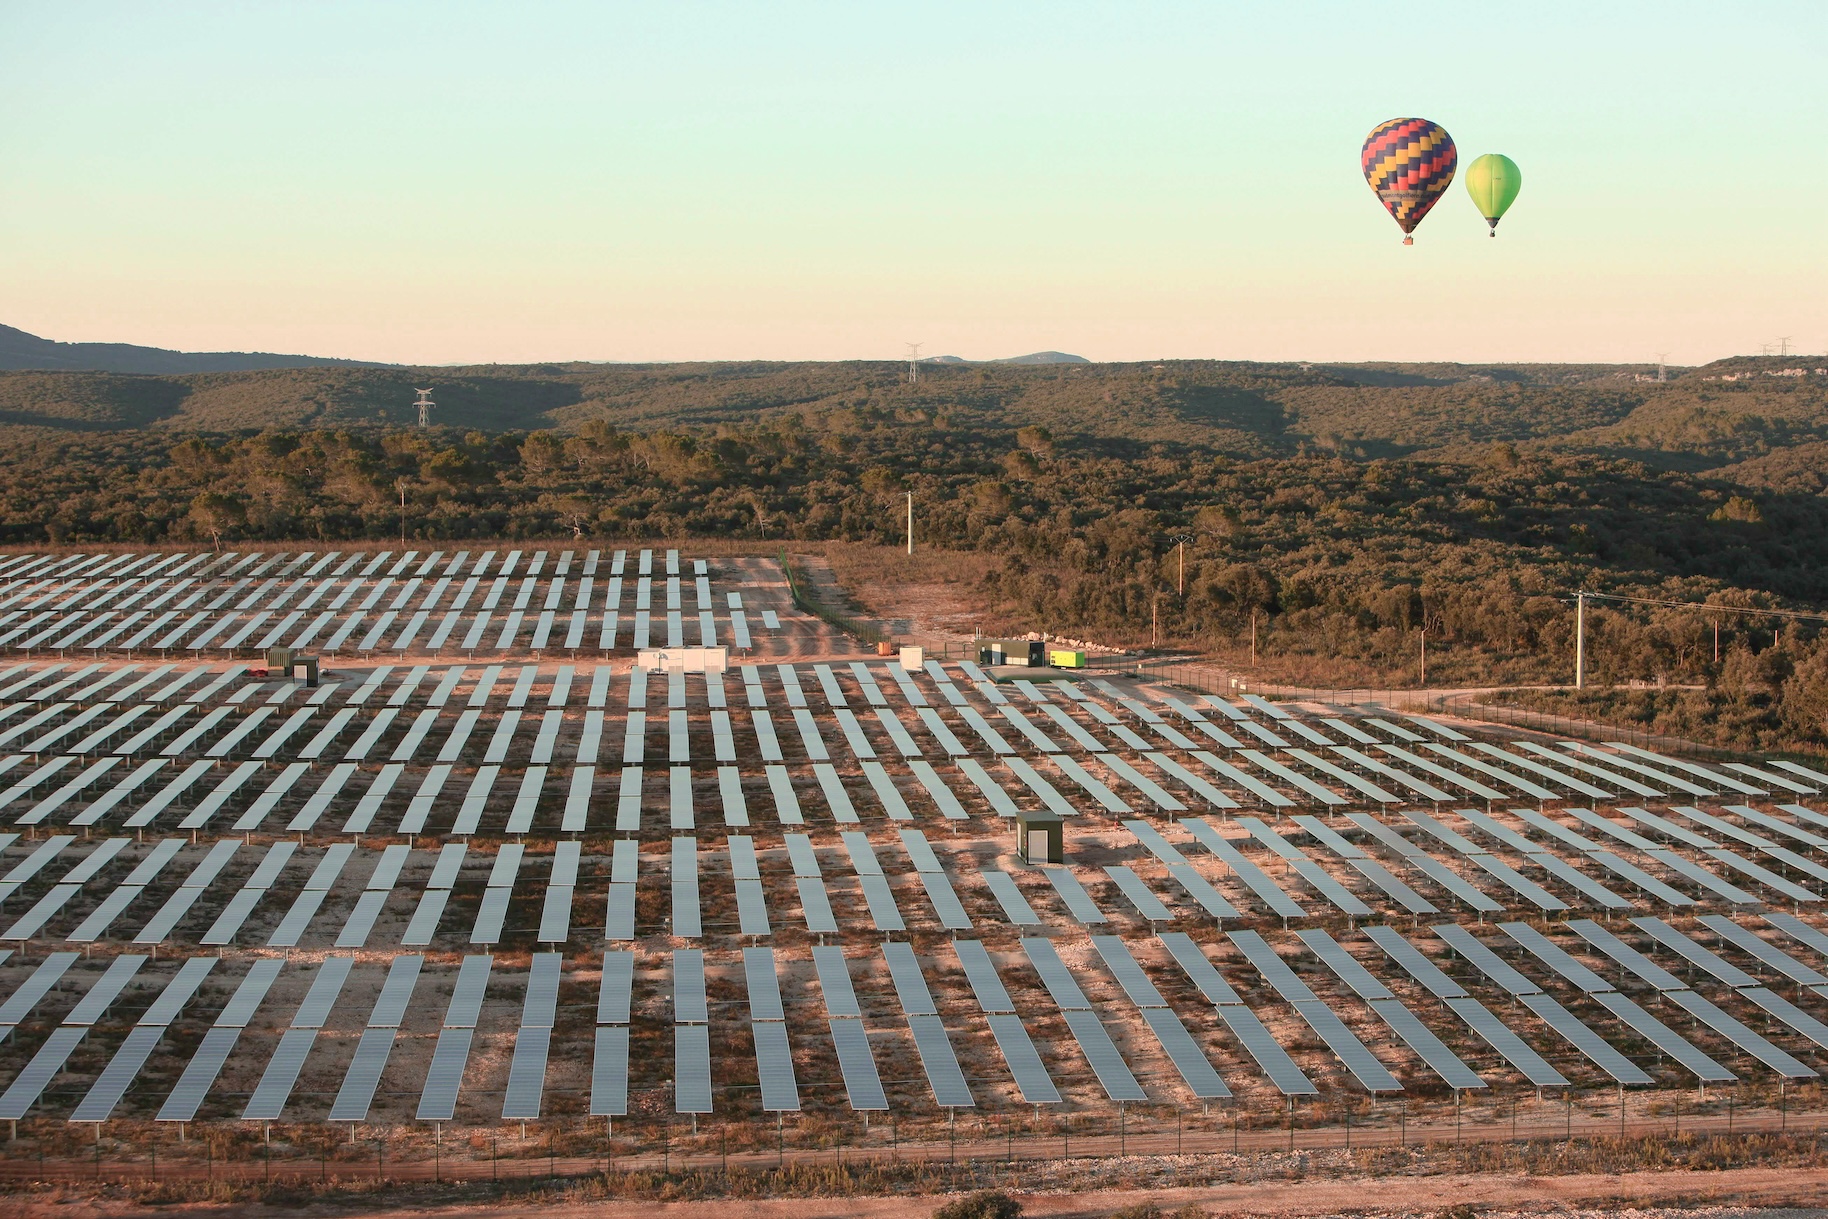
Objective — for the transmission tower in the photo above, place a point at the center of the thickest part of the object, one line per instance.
(1783, 344)
(425, 405)
(913, 363)
(1662, 366)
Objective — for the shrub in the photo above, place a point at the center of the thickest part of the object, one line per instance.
(1138, 1210)
(985, 1204)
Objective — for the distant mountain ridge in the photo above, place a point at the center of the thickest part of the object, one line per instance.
(1033, 357)
(20, 351)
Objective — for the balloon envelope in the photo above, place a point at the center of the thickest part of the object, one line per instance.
(1409, 163)
(1493, 181)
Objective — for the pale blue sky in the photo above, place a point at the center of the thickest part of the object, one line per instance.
(442, 181)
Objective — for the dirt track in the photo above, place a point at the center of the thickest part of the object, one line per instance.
(1766, 1193)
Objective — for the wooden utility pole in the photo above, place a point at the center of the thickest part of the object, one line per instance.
(1183, 581)
(1253, 637)
(1580, 640)
(1424, 656)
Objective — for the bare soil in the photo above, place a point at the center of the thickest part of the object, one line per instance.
(1753, 1193)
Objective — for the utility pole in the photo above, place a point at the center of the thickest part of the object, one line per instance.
(401, 486)
(1580, 640)
(1155, 620)
(910, 522)
(1716, 641)
(1424, 657)
(1253, 638)
(1183, 580)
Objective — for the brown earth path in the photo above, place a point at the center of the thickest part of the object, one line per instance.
(1763, 1192)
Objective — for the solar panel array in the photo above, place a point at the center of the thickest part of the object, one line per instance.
(267, 868)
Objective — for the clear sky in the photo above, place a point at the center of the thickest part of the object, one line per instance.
(438, 181)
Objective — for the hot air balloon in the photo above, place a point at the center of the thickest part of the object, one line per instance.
(1493, 181)
(1409, 163)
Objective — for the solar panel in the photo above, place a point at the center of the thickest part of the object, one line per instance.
(1015, 906)
(910, 984)
(1789, 1013)
(1000, 802)
(1321, 1018)
(1626, 955)
(686, 912)
(1090, 784)
(1050, 797)
(943, 796)
(1318, 877)
(527, 1073)
(862, 854)
(816, 905)
(691, 1068)
(1694, 953)
(1259, 882)
(1763, 875)
(689, 1005)
(1226, 770)
(276, 1082)
(1054, 974)
(37, 1074)
(1025, 1064)
(472, 985)
(1078, 902)
(1748, 942)
(1207, 791)
(1665, 1039)
(609, 1072)
(1129, 974)
(1101, 1053)
(1131, 885)
(941, 733)
(885, 913)
(774, 1068)
(842, 809)
(1741, 1036)
(1184, 1052)
(200, 1074)
(356, 1096)
(1798, 930)
(759, 971)
(1147, 786)
(1441, 1060)
(438, 1098)
(898, 733)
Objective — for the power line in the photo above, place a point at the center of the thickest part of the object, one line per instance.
(1711, 607)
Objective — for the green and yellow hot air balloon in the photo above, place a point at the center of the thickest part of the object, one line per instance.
(1493, 181)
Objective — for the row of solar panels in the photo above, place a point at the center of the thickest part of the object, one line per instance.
(25, 612)
(1796, 779)
(80, 568)
(884, 910)
(141, 726)
(1011, 1028)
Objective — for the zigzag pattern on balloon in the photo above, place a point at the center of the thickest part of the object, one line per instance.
(1409, 163)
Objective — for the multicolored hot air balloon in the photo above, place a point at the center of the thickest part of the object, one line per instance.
(1493, 181)
(1409, 163)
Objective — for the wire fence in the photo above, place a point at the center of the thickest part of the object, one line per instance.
(980, 1151)
(803, 600)
(1476, 705)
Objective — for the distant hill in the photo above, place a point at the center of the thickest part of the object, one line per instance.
(1044, 357)
(20, 351)
(1036, 357)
